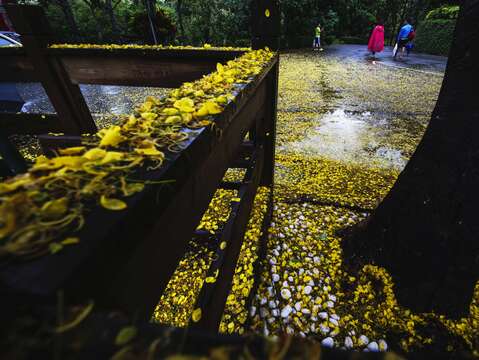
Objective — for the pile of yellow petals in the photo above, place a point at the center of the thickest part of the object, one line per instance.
(205, 46)
(99, 172)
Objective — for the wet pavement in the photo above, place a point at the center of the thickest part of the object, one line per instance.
(355, 109)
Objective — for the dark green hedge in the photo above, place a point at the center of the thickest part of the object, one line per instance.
(434, 36)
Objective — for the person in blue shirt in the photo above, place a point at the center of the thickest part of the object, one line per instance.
(403, 37)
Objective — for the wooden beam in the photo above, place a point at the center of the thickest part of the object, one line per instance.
(29, 124)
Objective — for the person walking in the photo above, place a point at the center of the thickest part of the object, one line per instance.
(376, 41)
(317, 38)
(403, 38)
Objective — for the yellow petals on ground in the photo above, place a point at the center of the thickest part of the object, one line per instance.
(112, 204)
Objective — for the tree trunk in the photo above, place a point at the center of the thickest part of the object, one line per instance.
(70, 18)
(179, 13)
(426, 231)
(111, 15)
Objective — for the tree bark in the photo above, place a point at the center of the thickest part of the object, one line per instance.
(179, 13)
(426, 231)
(111, 14)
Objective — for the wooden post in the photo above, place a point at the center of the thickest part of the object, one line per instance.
(265, 24)
(267, 133)
(66, 97)
(12, 160)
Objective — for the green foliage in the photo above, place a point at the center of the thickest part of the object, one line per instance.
(443, 13)
(435, 36)
(139, 25)
(226, 22)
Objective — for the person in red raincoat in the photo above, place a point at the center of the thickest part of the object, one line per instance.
(376, 41)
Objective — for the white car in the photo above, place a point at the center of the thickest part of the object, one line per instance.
(9, 38)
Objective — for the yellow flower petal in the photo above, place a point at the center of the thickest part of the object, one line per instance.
(72, 150)
(112, 204)
(151, 151)
(111, 136)
(112, 156)
(185, 105)
(196, 315)
(149, 116)
(95, 154)
(55, 208)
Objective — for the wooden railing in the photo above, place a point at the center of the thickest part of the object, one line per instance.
(125, 260)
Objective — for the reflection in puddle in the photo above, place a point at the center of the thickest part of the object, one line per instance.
(351, 137)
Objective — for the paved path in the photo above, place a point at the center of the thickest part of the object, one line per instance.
(415, 61)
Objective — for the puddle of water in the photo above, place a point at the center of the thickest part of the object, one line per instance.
(350, 137)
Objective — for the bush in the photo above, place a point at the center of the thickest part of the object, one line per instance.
(443, 13)
(435, 36)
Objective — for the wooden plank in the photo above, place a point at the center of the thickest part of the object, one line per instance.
(212, 298)
(134, 71)
(29, 124)
(152, 67)
(267, 133)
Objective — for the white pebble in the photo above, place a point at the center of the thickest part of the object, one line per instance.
(286, 311)
(348, 342)
(263, 301)
(252, 311)
(276, 277)
(307, 289)
(383, 345)
(332, 297)
(263, 312)
(316, 259)
(306, 311)
(301, 271)
(275, 312)
(329, 304)
(363, 340)
(328, 342)
(272, 304)
(297, 306)
(323, 315)
(334, 322)
(290, 279)
(373, 346)
(285, 293)
(335, 316)
(324, 329)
